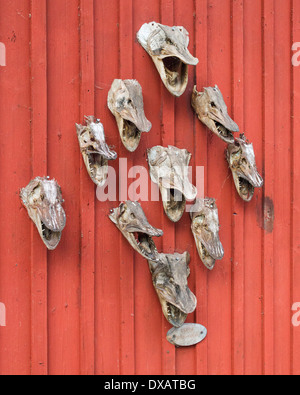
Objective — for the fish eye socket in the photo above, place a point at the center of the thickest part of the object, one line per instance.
(213, 104)
(132, 216)
(202, 219)
(236, 155)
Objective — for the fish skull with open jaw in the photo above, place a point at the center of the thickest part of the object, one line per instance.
(125, 101)
(241, 159)
(131, 220)
(169, 276)
(169, 169)
(43, 200)
(211, 109)
(205, 228)
(167, 47)
(95, 151)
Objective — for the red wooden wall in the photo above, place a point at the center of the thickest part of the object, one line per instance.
(89, 307)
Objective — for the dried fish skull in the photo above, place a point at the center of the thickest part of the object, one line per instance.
(211, 109)
(205, 228)
(241, 159)
(132, 222)
(43, 200)
(168, 48)
(169, 276)
(95, 151)
(169, 169)
(125, 101)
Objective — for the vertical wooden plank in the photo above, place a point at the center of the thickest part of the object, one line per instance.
(219, 187)
(253, 116)
(148, 312)
(269, 178)
(127, 255)
(63, 159)
(15, 173)
(201, 160)
(167, 138)
(107, 261)
(282, 189)
(87, 194)
(39, 320)
(184, 138)
(238, 280)
(296, 188)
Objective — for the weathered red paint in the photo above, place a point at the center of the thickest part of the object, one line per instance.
(89, 307)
